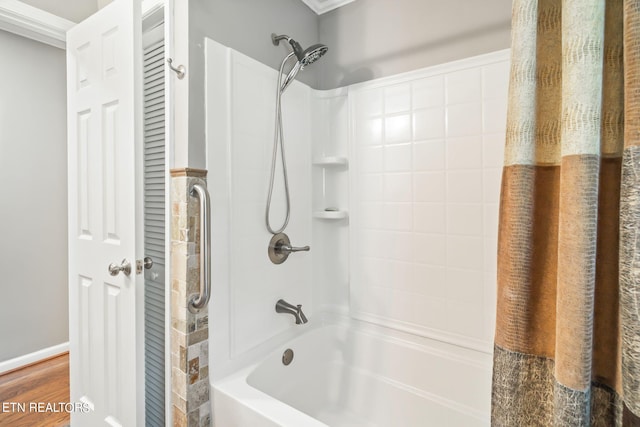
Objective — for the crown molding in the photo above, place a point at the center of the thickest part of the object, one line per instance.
(28, 21)
(323, 6)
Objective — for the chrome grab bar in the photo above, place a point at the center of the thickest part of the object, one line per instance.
(199, 301)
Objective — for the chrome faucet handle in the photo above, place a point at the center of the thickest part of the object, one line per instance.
(280, 248)
(289, 248)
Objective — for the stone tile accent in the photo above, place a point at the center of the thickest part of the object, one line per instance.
(189, 332)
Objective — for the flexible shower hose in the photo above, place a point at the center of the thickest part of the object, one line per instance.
(278, 139)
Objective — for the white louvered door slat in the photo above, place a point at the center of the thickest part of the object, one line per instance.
(154, 231)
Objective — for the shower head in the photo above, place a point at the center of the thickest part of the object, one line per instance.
(312, 54)
(306, 56)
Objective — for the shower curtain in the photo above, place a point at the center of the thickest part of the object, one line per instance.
(567, 343)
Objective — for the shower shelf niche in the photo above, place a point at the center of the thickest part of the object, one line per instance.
(331, 180)
(331, 214)
(331, 161)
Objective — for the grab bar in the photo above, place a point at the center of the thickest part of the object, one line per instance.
(199, 301)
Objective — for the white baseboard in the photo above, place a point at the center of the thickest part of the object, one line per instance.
(28, 359)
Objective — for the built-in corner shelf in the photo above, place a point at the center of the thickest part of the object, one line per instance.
(330, 214)
(331, 161)
(333, 184)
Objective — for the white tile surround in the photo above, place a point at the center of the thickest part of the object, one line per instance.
(426, 155)
(418, 249)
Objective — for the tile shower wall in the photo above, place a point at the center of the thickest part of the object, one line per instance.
(426, 158)
(189, 332)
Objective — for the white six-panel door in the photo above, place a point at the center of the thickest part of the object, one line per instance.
(104, 143)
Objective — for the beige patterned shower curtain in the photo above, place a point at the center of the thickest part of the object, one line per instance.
(567, 343)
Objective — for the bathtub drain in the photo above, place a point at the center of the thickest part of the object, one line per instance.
(287, 356)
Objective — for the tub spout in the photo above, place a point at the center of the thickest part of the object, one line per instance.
(296, 310)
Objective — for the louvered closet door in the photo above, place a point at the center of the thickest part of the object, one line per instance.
(154, 229)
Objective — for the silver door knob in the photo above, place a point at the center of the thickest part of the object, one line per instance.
(147, 262)
(125, 267)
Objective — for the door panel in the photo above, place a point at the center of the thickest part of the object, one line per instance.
(154, 224)
(104, 128)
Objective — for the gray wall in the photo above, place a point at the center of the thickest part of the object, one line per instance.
(246, 26)
(33, 197)
(368, 39)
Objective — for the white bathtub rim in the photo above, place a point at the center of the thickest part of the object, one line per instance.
(360, 327)
(338, 316)
(324, 319)
(236, 386)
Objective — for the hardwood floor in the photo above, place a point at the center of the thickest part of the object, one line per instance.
(21, 392)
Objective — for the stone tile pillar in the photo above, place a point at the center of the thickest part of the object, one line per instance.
(189, 332)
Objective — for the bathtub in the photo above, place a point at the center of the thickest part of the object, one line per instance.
(351, 373)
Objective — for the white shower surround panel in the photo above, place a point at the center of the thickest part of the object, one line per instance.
(240, 123)
(330, 185)
(426, 155)
(440, 131)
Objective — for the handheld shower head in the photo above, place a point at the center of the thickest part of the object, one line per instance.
(304, 57)
(312, 54)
